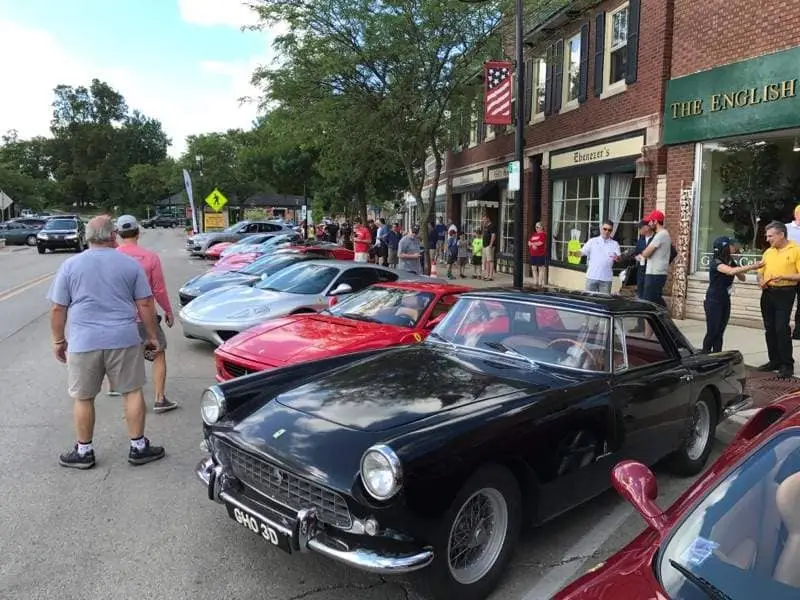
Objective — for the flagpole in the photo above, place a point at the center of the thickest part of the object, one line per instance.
(519, 144)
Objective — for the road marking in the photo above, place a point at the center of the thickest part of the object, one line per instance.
(576, 556)
(23, 287)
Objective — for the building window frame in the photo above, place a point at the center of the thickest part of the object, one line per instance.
(506, 217)
(612, 88)
(598, 196)
(567, 102)
(538, 89)
(473, 129)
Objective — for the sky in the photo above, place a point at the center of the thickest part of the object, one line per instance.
(183, 62)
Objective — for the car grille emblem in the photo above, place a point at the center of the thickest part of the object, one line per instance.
(278, 434)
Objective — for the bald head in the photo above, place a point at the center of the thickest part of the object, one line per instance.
(100, 231)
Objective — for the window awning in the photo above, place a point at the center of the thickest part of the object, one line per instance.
(473, 187)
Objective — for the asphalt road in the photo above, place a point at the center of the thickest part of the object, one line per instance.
(121, 532)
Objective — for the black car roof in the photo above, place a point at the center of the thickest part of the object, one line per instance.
(564, 298)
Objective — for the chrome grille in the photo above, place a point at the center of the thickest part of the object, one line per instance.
(286, 488)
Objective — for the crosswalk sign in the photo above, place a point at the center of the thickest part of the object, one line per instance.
(216, 200)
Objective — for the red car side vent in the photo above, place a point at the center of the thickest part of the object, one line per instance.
(760, 422)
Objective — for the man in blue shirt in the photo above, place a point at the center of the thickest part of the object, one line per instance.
(96, 297)
(440, 233)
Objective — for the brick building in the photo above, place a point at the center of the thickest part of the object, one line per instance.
(732, 111)
(595, 94)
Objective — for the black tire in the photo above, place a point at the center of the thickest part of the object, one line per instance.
(41, 250)
(30, 240)
(438, 581)
(690, 460)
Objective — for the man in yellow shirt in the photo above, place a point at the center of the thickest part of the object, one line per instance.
(778, 278)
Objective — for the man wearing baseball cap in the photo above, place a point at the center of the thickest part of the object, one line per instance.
(657, 254)
(128, 232)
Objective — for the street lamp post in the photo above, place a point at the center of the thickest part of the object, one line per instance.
(519, 141)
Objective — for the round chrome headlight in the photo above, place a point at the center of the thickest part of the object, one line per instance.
(381, 472)
(212, 405)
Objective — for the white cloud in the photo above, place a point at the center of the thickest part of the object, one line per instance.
(208, 102)
(230, 13)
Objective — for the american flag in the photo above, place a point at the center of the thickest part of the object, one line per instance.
(497, 102)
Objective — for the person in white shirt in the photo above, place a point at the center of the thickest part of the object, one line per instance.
(601, 253)
(793, 235)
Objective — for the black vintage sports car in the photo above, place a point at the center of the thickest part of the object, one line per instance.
(429, 458)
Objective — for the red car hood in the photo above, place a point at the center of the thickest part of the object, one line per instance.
(310, 337)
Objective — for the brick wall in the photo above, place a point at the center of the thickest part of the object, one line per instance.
(645, 97)
(730, 31)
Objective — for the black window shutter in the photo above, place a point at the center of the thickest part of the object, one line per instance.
(634, 14)
(529, 75)
(548, 81)
(480, 134)
(558, 75)
(599, 52)
(583, 76)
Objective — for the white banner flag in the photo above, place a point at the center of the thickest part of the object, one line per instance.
(5, 201)
(187, 180)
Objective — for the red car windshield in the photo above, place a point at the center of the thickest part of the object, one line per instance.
(743, 539)
(389, 306)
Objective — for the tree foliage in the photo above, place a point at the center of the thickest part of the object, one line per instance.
(375, 82)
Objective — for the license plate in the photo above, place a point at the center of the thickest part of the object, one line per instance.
(259, 527)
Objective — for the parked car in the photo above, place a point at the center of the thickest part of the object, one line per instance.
(382, 315)
(734, 534)
(246, 244)
(63, 232)
(328, 249)
(21, 231)
(222, 313)
(215, 252)
(160, 221)
(197, 244)
(248, 275)
(428, 458)
(238, 260)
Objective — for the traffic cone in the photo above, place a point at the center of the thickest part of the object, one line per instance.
(433, 269)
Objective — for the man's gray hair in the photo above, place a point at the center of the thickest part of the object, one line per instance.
(100, 230)
(777, 226)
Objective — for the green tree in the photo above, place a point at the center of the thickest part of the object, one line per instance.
(387, 73)
(150, 183)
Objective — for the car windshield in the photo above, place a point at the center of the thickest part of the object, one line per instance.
(390, 306)
(61, 224)
(268, 265)
(744, 537)
(256, 238)
(537, 332)
(300, 279)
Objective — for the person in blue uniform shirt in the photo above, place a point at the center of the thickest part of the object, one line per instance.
(722, 271)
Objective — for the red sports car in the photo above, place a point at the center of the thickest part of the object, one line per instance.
(215, 251)
(387, 314)
(328, 249)
(735, 534)
(235, 262)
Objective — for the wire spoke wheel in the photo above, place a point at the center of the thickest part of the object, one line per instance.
(699, 431)
(477, 536)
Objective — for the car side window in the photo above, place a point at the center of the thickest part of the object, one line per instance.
(358, 278)
(444, 304)
(268, 227)
(637, 343)
(385, 276)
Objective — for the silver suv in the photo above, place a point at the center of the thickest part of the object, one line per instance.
(198, 244)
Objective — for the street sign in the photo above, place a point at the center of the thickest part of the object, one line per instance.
(214, 221)
(513, 176)
(216, 200)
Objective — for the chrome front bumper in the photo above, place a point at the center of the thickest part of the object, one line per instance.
(201, 330)
(737, 406)
(307, 534)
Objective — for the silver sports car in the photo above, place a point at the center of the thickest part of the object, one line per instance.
(220, 314)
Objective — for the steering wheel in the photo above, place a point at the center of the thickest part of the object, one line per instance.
(403, 320)
(580, 345)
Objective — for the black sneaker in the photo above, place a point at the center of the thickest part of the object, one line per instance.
(164, 405)
(75, 460)
(145, 455)
(767, 367)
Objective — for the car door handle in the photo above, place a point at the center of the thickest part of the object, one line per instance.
(688, 377)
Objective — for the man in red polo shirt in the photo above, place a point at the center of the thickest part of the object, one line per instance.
(361, 242)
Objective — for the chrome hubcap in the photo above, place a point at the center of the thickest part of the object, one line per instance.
(699, 431)
(477, 536)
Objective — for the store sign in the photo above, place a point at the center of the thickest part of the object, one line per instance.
(751, 96)
(482, 204)
(468, 179)
(744, 260)
(497, 173)
(214, 221)
(608, 151)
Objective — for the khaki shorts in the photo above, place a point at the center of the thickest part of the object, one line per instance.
(86, 371)
(488, 254)
(162, 339)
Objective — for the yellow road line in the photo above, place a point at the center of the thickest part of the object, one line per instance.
(23, 287)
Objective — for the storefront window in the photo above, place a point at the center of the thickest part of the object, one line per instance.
(471, 212)
(625, 208)
(439, 208)
(577, 207)
(506, 223)
(743, 186)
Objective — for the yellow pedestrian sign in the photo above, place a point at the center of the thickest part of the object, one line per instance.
(216, 200)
